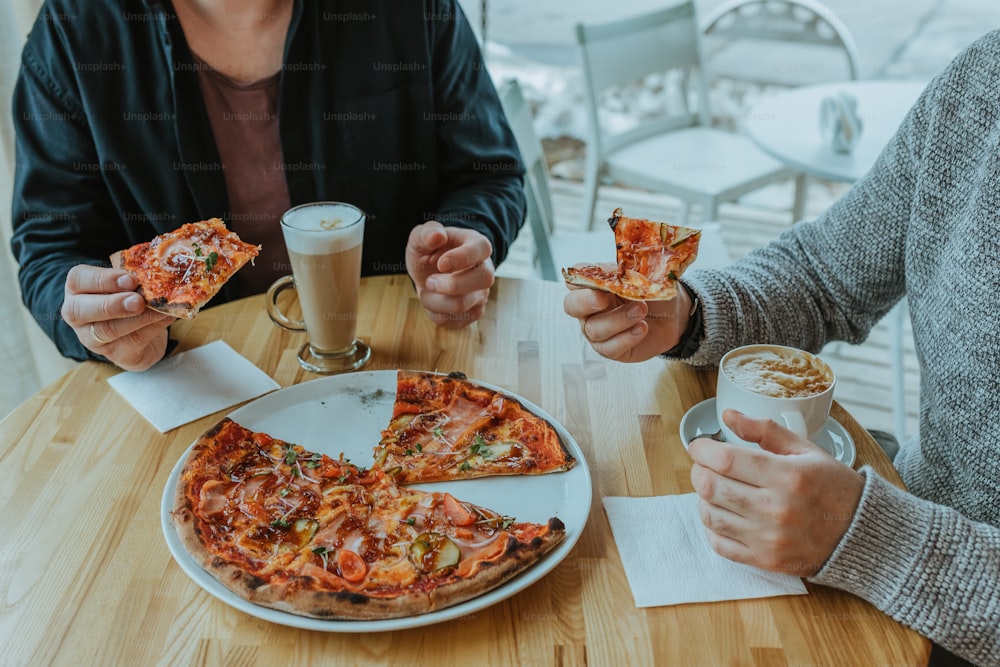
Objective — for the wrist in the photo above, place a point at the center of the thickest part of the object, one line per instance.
(690, 339)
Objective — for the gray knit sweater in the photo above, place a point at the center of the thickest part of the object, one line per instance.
(925, 222)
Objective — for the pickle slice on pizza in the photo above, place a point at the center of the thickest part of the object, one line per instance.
(651, 257)
(180, 271)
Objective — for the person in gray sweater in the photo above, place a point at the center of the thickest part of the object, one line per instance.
(924, 223)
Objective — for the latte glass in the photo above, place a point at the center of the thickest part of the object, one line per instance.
(793, 387)
(324, 241)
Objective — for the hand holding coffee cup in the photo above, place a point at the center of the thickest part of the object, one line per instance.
(324, 241)
(790, 386)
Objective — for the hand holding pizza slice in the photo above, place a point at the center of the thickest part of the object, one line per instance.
(651, 257)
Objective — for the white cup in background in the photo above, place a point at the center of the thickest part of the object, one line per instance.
(790, 386)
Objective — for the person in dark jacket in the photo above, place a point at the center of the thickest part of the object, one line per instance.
(133, 117)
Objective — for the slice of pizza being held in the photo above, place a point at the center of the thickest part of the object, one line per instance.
(651, 257)
(180, 271)
(445, 427)
(315, 536)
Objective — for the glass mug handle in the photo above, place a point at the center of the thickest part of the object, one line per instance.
(278, 317)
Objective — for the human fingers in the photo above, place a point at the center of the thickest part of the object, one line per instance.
(746, 464)
(605, 325)
(735, 496)
(427, 237)
(581, 303)
(769, 434)
(107, 331)
(140, 349)
(424, 246)
(467, 249)
(479, 277)
(453, 310)
(82, 309)
(86, 279)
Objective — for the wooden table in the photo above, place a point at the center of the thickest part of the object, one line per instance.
(86, 578)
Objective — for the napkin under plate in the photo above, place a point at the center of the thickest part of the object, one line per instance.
(668, 560)
(192, 384)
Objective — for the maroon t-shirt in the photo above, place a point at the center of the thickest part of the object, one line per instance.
(244, 118)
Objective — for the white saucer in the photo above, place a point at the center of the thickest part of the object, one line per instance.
(701, 420)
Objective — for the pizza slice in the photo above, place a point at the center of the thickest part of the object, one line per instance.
(445, 427)
(651, 257)
(307, 534)
(180, 271)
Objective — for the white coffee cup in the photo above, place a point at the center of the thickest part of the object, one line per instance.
(324, 242)
(790, 386)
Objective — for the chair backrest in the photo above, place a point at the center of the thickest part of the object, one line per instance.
(541, 217)
(777, 42)
(616, 53)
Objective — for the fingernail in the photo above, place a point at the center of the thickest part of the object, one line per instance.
(636, 330)
(432, 284)
(634, 312)
(133, 303)
(126, 283)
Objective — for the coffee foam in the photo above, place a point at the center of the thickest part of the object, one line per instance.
(322, 229)
(782, 375)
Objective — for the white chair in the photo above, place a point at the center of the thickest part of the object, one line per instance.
(557, 249)
(678, 154)
(777, 42)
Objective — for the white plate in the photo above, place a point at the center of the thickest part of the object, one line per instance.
(346, 413)
(701, 420)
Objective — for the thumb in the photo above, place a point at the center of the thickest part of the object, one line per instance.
(426, 243)
(427, 237)
(770, 435)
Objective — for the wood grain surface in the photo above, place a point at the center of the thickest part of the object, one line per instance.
(86, 577)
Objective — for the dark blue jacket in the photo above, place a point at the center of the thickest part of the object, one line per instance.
(383, 103)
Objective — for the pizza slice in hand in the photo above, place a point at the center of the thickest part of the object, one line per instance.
(445, 427)
(180, 271)
(651, 257)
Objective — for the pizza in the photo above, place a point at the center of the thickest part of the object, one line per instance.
(180, 271)
(444, 428)
(651, 256)
(311, 535)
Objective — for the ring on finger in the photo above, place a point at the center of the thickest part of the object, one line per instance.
(97, 338)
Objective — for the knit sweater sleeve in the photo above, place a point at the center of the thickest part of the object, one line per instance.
(926, 566)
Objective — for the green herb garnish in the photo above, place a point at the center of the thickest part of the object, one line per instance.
(210, 261)
(438, 433)
(411, 521)
(323, 553)
(465, 466)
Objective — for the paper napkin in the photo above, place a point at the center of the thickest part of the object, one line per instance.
(668, 560)
(192, 384)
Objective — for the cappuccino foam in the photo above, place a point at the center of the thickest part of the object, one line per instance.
(770, 373)
(322, 229)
